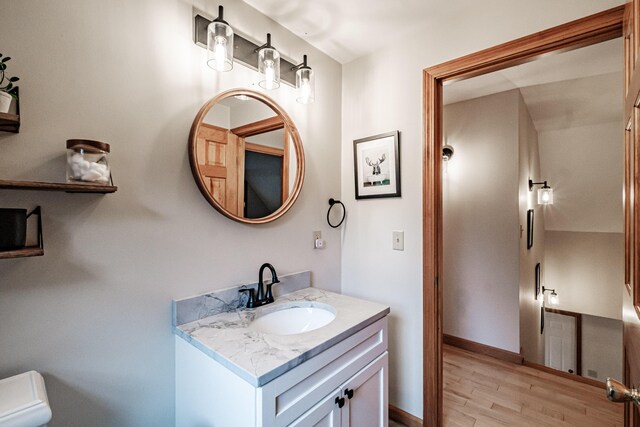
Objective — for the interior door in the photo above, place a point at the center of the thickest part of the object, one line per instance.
(560, 342)
(631, 300)
(222, 153)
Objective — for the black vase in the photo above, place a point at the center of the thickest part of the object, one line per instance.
(13, 229)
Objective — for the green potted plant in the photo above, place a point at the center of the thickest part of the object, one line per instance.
(6, 86)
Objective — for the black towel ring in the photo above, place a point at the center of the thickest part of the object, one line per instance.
(333, 202)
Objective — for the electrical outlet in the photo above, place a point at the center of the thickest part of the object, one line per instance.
(318, 243)
(398, 240)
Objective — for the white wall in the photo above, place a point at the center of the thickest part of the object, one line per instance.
(586, 270)
(584, 166)
(602, 347)
(382, 92)
(480, 230)
(249, 111)
(531, 340)
(94, 314)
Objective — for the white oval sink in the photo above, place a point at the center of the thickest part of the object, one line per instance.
(294, 320)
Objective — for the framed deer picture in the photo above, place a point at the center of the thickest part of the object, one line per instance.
(377, 166)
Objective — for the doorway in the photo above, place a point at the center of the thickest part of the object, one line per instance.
(604, 26)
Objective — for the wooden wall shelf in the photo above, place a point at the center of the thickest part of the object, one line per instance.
(29, 251)
(56, 186)
(9, 123)
(22, 253)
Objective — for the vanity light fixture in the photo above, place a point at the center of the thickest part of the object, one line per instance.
(220, 43)
(210, 33)
(305, 82)
(268, 65)
(553, 297)
(545, 193)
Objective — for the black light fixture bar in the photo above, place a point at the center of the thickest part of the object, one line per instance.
(244, 51)
(531, 184)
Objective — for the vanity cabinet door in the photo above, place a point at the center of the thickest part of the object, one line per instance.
(359, 402)
(366, 396)
(324, 414)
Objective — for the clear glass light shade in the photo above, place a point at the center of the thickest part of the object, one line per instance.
(553, 299)
(545, 196)
(269, 68)
(306, 85)
(220, 46)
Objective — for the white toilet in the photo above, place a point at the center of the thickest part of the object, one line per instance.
(23, 401)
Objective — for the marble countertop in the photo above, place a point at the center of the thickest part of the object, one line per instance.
(258, 357)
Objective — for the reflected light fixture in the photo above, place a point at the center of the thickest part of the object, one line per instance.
(553, 297)
(220, 43)
(545, 193)
(305, 82)
(268, 65)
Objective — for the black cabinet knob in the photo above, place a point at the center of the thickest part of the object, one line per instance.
(340, 401)
(348, 393)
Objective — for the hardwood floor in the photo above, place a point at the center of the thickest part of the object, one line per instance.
(483, 391)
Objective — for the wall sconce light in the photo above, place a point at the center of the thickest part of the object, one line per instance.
(273, 69)
(305, 82)
(447, 153)
(268, 65)
(545, 193)
(553, 297)
(220, 43)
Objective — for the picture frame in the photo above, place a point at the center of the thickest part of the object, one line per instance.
(529, 228)
(537, 282)
(376, 164)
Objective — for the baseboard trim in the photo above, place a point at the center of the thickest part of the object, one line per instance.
(403, 417)
(487, 350)
(563, 374)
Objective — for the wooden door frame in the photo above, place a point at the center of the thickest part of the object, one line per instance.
(583, 32)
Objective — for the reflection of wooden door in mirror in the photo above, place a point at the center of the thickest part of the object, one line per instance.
(221, 151)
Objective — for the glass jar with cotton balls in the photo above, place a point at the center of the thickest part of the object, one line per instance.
(87, 162)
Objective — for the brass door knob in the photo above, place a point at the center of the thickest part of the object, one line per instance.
(618, 392)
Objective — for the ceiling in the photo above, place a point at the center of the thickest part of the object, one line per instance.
(569, 89)
(348, 29)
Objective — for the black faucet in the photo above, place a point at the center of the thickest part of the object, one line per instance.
(262, 298)
(268, 297)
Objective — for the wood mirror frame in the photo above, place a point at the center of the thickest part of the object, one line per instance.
(285, 122)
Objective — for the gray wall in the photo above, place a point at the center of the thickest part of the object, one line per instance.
(480, 215)
(602, 347)
(586, 270)
(531, 340)
(94, 314)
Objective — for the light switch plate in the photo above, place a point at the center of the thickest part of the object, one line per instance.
(398, 240)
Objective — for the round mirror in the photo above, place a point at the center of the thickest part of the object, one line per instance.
(246, 156)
